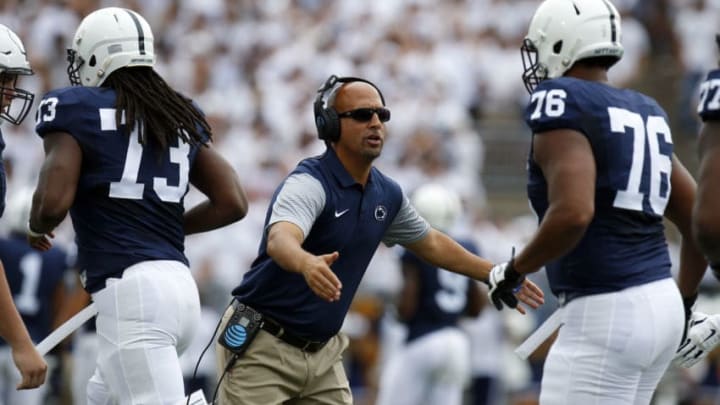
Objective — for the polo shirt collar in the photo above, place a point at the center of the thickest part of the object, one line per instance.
(338, 170)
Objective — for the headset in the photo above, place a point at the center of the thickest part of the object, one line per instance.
(327, 121)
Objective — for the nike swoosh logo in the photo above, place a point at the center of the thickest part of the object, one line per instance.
(341, 213)
(712, 333)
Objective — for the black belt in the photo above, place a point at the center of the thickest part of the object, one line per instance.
(272, 327)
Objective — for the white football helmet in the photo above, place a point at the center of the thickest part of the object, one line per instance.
(439, 205)
(106, 40)
(16, 102)
(563, 32)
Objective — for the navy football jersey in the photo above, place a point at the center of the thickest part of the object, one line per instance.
(709, 105)
(33, 278)
(349, 219)
(624, 244)
(442, 295)
(128, 206)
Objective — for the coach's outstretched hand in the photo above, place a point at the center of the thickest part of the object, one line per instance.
(508, 288)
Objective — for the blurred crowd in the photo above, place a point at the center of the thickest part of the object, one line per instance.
(444, 67)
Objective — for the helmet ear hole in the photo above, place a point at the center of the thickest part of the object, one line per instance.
(92, 61)
(557, 47)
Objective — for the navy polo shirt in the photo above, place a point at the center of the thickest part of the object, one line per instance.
(335, 214)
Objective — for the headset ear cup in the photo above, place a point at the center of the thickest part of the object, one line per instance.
(327, 121)
(320, 120)
(332, 125)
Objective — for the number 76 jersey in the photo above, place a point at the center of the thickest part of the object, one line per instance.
(631, 142)
(128, 205)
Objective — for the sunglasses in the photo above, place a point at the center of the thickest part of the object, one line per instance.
(366, 114)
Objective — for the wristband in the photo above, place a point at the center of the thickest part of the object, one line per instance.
(511, 274)
(32, 233)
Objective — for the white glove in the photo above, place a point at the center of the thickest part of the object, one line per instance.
(703, 335)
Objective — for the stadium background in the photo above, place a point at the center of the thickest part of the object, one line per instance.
(450, 71)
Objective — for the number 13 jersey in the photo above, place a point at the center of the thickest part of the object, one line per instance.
(128, 206)
(624, 245)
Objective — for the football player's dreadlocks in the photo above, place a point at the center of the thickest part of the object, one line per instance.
(165, 114)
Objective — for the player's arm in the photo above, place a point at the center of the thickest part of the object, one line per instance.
(74, 301)
(31, 365)
(568, 164)
(67, 302)
(408, 298)
(60, 296)
(679, 211)
(56, 186)
(707, 202)
(226, 203)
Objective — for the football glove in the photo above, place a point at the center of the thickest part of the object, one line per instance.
(702, 337)
(504, 281)
(688, 304)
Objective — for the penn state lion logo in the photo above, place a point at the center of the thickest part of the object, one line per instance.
(380, 213)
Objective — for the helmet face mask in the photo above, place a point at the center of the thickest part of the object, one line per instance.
(563, 32)
(75, 61)
(106, 40)
(15, 102)
(533, 72)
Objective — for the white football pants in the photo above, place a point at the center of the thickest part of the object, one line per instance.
(431, 370)
(145, 321)
(84, 361)
(613, 348)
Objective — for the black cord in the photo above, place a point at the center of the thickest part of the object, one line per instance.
(197, 365)
(229, 365)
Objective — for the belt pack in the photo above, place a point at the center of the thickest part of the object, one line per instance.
(250, 321)
(241, 328)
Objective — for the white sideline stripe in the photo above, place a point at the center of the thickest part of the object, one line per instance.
(64, 330)
(540, 335)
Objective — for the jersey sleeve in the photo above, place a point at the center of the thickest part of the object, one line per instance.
(59, 111)
(407, 227)
(709, 105)
(555, 104)
(300, 201)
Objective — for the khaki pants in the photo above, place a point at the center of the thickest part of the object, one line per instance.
(272, 372)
